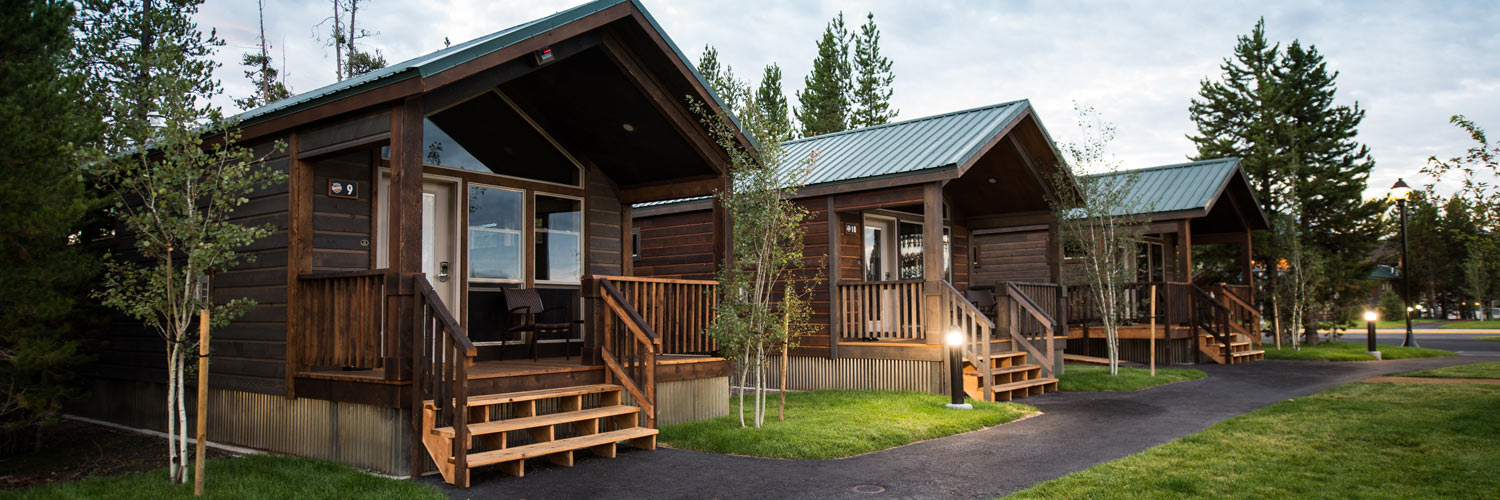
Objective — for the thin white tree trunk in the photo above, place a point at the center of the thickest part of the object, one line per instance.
(182, 419)
(171, 412)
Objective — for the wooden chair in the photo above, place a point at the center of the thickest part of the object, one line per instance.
(983, 299)
(525, 304)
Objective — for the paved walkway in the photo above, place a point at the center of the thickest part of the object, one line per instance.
(1077, 430)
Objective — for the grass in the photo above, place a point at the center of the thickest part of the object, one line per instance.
(1349, 351)
(828, 424)
(1377, 441)
(1486, 369)
(1091, 378)
(1491, 338)
(1473, 325)
(258, 477)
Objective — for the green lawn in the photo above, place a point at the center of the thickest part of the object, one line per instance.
(1491, 338)
(257, 477)
(1349, 351)
(1382, 441)
(1473, 325)
(1486, 369)
(838, 423)
(1091, 378)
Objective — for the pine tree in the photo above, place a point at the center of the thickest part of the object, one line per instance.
(262, 74)
(872, 90)
(772, 102)
(44, 262)
(721, 78)
(823, 103)
(1275, 110)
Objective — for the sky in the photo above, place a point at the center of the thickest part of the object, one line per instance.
(1409, 65)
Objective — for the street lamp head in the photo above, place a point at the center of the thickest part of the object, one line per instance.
(1400, 191)
(955, 337)
(1371, 316)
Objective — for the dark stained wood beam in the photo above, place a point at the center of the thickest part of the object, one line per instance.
(835, 317)
(673, 109)
(932, 261)
(1185, 249)
(461, 90)
(674, 190)
(403, 228)
(299, 256)
(1031, 168)
(393, 92)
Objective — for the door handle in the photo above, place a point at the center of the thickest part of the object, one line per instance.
(443, 272)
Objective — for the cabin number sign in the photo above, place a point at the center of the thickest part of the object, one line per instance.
(340, 188)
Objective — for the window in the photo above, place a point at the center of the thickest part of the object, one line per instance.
(948, 253)
(488, 134)
(909, 246)
(495, 239)
(559, 239)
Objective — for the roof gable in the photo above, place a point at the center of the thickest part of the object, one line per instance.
(1191, 188)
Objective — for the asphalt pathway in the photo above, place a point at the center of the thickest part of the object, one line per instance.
(1075, 431)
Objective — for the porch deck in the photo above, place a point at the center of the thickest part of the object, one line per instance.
(671, 366)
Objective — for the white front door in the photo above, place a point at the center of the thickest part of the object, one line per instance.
(881, 264)
(440, 219)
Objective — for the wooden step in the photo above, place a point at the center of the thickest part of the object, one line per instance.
(1033, 387)
(1005, 370)
(513, 397)
(1247, 353)
(569, 444)
(515, 424)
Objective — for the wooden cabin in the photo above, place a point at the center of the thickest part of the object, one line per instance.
(449, 286)
(1188, 206)
(909, 222)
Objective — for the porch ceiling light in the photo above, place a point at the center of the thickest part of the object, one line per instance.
(628, 127)
(993, 180)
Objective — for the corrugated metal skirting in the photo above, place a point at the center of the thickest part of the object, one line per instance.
(1137, 350)
(808, 373)
(363, 436)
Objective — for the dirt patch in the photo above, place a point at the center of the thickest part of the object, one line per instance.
(1434, 380)
(73, 450)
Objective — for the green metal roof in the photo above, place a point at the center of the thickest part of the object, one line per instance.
(1184, 186)
(447, 58)
(921, 144)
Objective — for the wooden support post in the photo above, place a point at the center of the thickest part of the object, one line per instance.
(1185, 249)
(1247, 269)
(1153, 330)
(722, 232)
(933, 320)
(298, 261)
(835, 306)
(198, 457)
(404, 229)
(627, 242)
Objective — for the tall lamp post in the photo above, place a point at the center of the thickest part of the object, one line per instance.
(1399, 193)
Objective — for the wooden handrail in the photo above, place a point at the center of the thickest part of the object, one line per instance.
(976, 329)
(639, 348)
(881, 309)
(441, 355)
(1214, 320)
(1019, 298)
(679, 312)
(637, 324)
(964, 303)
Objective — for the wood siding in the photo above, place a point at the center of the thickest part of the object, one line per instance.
(603, 213)
(1016, 256)
(676, 246)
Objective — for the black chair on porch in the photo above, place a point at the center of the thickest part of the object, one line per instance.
(525, 304)
(983, 299)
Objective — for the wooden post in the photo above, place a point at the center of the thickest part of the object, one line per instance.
(202, 402)
(1247, 271)
(1153, 330)
(299, 260)
(1185, 250)
(835, 306)
(404, 230)
(933, 319)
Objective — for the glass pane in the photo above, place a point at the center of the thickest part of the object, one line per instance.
(559, 242)
(909, 243)
(495, 249)
(488, 316)
(1158, 262)
(874, 248)
(1143, 262)
(948, 254)
(485, 134)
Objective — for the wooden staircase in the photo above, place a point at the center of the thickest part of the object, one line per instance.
(1241, 349)
(507, 429)
(1010, 377)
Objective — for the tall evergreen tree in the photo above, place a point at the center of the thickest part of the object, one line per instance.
(872, 73)
(823, 103)
(45, 203)
(721, 78)
(772, 102)
(262, 74)
(1275, 110)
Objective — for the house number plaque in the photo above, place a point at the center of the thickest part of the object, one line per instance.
(851, 228)
(340, 188)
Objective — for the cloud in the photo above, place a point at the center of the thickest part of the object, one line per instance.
(1410, 65)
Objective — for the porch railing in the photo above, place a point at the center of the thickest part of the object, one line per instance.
(628, 348)
(1212, 318)
(442, 354)
(881, 309)
(1244, 318)
(976, 328)
(1173, 303)
(677, 310)
(1021, 311)
(342, 315)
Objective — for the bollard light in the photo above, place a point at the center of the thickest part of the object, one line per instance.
(955, 340)
(1370, 317)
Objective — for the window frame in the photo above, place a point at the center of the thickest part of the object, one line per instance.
(468, 258)
(582, 238)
